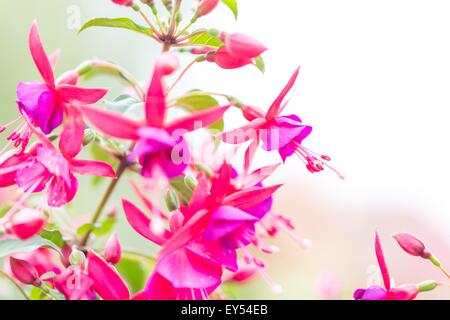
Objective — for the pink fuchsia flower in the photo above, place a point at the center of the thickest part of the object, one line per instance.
(238, 50)
(47, 103)
(202, 239)
(113, 250)
(75, 284)
(43, 167)
(156, 141)
(24, 271)
(284, 134)
(25, 224)
(405, 292)
(412, 245)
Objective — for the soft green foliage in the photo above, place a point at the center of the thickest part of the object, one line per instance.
(12, 246)
(232, 4)
(123, 23)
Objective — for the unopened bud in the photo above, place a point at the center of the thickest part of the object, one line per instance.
(252, 113)
(427, 286)
(113, 250)
(172, 200)
(127, 3)
(24, 271)
(26, 223)
(206, 7)
(412, 245)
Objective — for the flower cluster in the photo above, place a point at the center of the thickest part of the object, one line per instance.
(217, 217)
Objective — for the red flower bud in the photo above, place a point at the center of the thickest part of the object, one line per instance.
(26, 223)
(225, 60)
(412, 245)
(113, 250)
(242, 46)
(24, 271)
(206, 7)
(127, 3)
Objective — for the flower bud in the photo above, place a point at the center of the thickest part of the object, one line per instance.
(225, 60)
(427, 286)
(127, 3)
(113, 250)
(242, 46)
(206, 7)
(24, 271)
(412, 245)
(26, 224)
(405, 292)
(77, 257)
(172, 200)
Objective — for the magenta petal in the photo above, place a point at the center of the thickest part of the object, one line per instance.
(242, 46)
(34, 174)
(158, 288)
(372, 293)
(382, 262)
(28, 94)
(71, 93)
(187, 268)
(405, 292)
(50, 112)
(251, 197)
(75, 285)
(107, 282)
(92, 168)
(112, 123)
(225, 60)
(276, 105)
(60, 192)
(72, 135)
(39, 56)
(224, 220)
(198, 120)
(141, 223)
(10, 166)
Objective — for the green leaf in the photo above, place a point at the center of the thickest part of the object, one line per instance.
(206, 39)
(85, 228)
(232, 4)
(54, 236)
(218, 126)
(121, 103)
(260, 64)
(197, 102)
(134, 273)
(123, 23)
(105, 227)
(12, 246)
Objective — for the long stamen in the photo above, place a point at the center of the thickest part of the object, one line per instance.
(22, 200)
(5, 126)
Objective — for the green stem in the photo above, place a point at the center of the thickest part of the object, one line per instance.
(112, 186)
(139, 255)
(6, 276)
(444, 272)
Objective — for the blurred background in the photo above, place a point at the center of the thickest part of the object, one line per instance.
(374, 85)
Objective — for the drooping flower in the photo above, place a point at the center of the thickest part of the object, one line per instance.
(43, 167)
(159, 146)
(47, 103)
(284, 134)
(404, 292)
(203, 236)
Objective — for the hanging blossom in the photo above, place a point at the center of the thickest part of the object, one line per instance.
(204, 236)
(43, 168)
(403, 292)
(160, 146)
(49, 103)
(284, 134)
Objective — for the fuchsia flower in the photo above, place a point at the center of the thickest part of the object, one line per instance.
(282, 133)
(158, 143)
(405, 292)
(203, 236)
(47, 103)
(43, 167)
(127, 3)
(239, 50)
